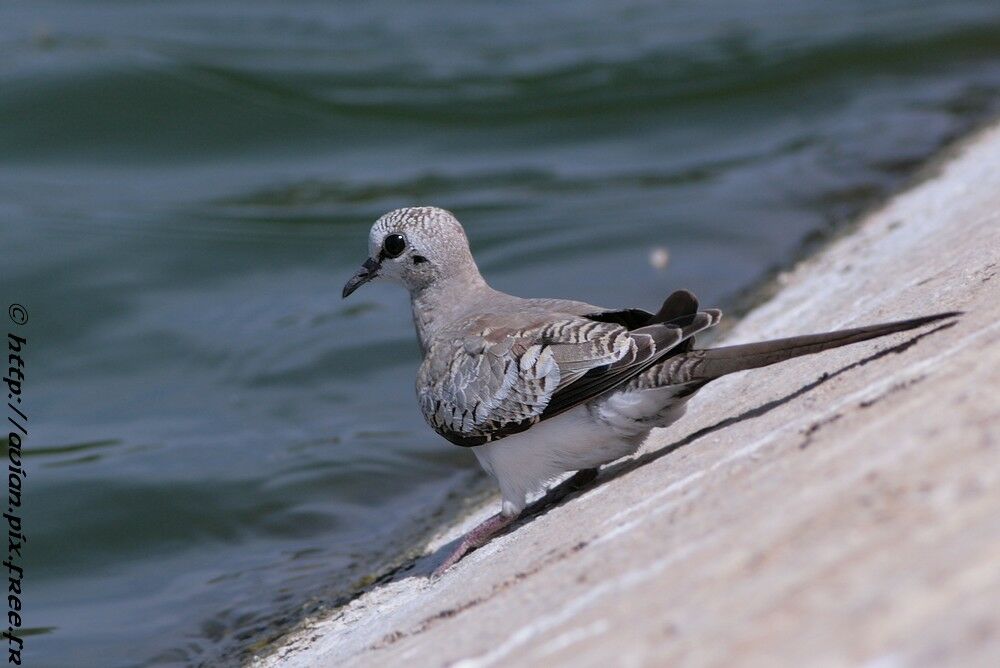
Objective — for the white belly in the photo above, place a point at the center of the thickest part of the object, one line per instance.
(522, 464)
(584, 437)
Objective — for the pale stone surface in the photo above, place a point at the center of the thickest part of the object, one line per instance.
(840, 509)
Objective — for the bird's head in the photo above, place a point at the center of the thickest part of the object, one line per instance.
(416, 247)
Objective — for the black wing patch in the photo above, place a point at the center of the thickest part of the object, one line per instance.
(630, 318)
(680, 303)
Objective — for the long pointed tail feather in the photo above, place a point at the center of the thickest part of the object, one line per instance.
(708, 364)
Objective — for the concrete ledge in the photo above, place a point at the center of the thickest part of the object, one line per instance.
(840, 509)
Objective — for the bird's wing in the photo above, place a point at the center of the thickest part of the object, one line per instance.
(491, 383)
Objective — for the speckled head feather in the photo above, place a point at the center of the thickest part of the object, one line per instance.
(434, 249)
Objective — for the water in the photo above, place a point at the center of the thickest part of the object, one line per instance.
(218, 440)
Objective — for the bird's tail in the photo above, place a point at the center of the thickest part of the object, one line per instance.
(701, 366)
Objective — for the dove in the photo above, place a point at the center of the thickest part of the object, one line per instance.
(539, 388)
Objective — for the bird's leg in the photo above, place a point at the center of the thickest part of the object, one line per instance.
(476, 538)
(494, 525)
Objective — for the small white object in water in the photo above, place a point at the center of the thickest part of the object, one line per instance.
(659, 257)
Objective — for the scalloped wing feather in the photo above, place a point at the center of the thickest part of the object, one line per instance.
(490, 384)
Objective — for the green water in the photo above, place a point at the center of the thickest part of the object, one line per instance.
(216, 439)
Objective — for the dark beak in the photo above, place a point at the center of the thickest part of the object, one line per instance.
(368, 271)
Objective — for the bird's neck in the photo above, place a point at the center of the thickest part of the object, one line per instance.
(443, 302)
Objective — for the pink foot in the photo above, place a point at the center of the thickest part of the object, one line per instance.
(475, 538)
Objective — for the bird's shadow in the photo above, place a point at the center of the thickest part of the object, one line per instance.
(586, 480)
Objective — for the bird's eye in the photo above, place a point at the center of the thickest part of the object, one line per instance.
(394, 245)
